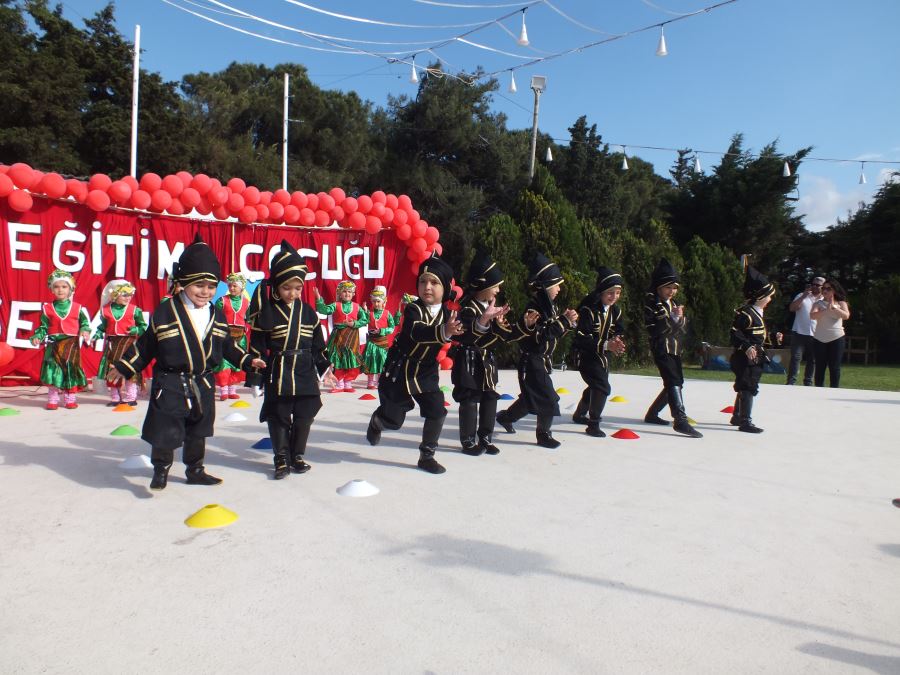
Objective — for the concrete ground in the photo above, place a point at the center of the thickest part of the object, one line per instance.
(734, 553)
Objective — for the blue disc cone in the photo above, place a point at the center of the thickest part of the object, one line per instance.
(506, 397)
(263, 444)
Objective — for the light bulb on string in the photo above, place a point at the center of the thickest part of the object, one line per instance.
(786, 171)
(624, 159)
(697, 167)
(523, 36)
(661, 46)
(413, 75)
(512, 83)
(549, 157)
(862, 173)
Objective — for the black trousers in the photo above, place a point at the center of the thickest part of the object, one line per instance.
(746, 374)
(396, 401)
(829, 355)
(669, 367)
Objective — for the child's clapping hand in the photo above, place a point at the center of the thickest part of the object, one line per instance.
(453, 327)
(571, 316)
(531, 318)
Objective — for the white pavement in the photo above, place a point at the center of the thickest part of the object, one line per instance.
(735, 553)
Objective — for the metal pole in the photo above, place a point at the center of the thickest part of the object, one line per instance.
(534, 125)
(135, 81)
(284, 134)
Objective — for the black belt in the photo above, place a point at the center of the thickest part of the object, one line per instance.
(293, 352)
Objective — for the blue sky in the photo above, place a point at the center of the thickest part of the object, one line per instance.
(802, 72)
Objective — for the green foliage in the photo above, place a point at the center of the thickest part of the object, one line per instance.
(881, 308)
(712, 286)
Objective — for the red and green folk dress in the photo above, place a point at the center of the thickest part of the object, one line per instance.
(343, 343)
(227, 375)
(381, 325)
(61, 323)
(120, 326)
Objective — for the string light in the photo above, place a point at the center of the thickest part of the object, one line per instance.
(624, 159)
(549, 156)
(413, 75)
(661, 47)
(862, 173)
(512, 83)
(523, 36)
(786, 171)
(697, 167)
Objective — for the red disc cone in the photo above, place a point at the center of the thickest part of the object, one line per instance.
(367, 397)
(625, 435)
(728, 409)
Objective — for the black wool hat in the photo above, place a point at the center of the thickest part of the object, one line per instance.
(757, 285)
(663, 275)
(441, 271)
(607, 279)
(543, 272)
(287, 265)
(197, 263)
(483, 274)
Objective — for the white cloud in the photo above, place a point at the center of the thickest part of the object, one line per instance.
(889, 175)
(821, 203)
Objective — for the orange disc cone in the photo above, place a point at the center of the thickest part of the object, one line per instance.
(123, 407)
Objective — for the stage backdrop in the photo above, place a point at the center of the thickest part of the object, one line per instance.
(99, 247)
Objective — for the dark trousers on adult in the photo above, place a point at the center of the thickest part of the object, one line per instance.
(829, 355)
(801, 348)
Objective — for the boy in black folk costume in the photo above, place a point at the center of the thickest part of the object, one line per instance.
(666, 324)
(749, 337)
(474, 372)
(538, 396)
(411, 371)
(285, 332)
(599, 331)
(188, 336)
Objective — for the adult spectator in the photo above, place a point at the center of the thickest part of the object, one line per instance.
(829, 313)
(802, 332)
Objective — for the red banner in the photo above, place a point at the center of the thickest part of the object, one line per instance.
(99, 247)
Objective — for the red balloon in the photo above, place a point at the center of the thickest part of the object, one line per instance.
(414, 267)
(20, 201)
(190, 198)
(176, 208)
(4, 169)
(99, 181)
(419, 228)
(424, 255)
(337, 213)
(77, 190)
(431, 235)
(97, 200)
(299, 200)
(36, 179)
(413, 216)
(221, 212)
(150, 183)
(326, 202)
(265, 198)
(53, 185)
(172, 185)
(378, 197)
(7, 354)
(131, 182)
(404, 232)
(412, 255)
(337, 194)
(120, 192)
(235, 203)
(373, 225)
(404, 202)
(283, 197)
(201, 183)
(377, 210)
(446, 364)
(400, 217)
(307, 217)
(350, 205)
(388, 216)
(418, 245)
(438, 249)
(218, 196)
(323, 219)
(248, 214)
(21, 174)
(391, 202)
(291, 214)
(251, 196)
(312, 202)
(204, 207)
(236, 185)
(365, 203)
(7, 185)
(186, 179)
(160, 200)
(140, 199)
(356, 220)
(276, 212)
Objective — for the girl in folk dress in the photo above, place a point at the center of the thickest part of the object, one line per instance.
(62, 322)
(234, 305)
(121, 323)
(381, 325)
(343, 343)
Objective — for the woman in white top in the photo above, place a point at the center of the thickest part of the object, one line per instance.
(829, 313)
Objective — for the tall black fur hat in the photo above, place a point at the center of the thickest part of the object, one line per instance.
(543, 272)
(287, 265)
(663, 275)
(197, 263)
(757, 285)
(483, 274)
(442, 272)
(607, 279)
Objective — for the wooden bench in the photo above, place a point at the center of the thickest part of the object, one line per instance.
(859, 345)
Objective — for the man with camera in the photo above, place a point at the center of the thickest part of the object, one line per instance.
(802, 331)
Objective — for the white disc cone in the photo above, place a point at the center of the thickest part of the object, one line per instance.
(136, 462)
(235, 417)
(358, 488)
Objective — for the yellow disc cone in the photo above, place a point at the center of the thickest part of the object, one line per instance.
(240, 404)
(618, 399)
(691, 420)
(563, 390)
(211, 515)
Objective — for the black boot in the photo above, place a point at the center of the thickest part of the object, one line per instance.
(431, 432)
(487, 415)
(596, 403)
(735, 420)
(373, 433)
(160, 476)
(468, 411)
(652, 416)
(194, 450)
(198, 476)
(299, 437)
(504, 421)
(593, 429)
(544, 437)
(513, 413)
(747, 408)
(280, 437)
(580, 414)
(680, 422)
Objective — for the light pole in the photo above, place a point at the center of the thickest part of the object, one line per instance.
(538, 84)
